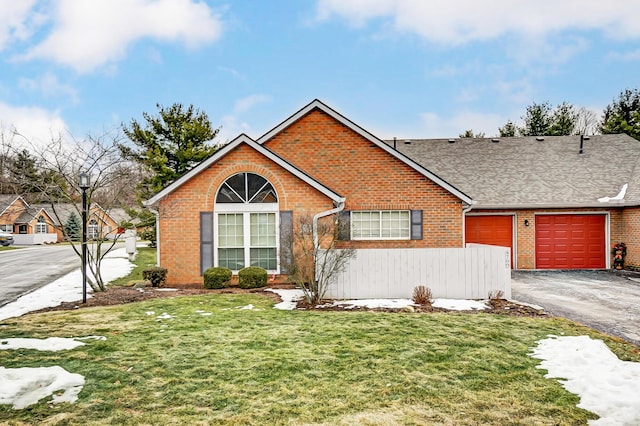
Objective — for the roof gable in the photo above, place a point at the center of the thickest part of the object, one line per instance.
(244, 139)
(317, 104)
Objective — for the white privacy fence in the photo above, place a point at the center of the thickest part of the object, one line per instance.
(29, 239)
(453, 273)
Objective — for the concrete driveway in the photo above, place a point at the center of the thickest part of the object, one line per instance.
(604, 300)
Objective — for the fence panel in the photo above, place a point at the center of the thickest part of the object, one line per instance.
(31, 239)
(453, 273)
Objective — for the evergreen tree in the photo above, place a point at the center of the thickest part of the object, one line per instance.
(508, 130)
(623, 115)
(73, 228)
(168, 145)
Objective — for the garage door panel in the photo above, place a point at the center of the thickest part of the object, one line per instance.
(493, 230)
(570, 241)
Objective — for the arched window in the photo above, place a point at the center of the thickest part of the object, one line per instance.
(41, 225)
(246, 223)
(93, 230)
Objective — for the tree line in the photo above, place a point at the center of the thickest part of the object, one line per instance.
(622, 115)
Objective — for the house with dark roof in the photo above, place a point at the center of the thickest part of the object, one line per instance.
(37, 220)
(557, 202)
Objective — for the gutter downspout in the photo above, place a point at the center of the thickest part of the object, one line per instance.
(317, 216)
(464, 222)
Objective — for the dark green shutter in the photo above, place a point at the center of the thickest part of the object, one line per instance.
(344, 225)
(286, 240)
(416, 224)
(206, 241)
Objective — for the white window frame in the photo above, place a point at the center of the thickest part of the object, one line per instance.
(245, 210)
(379, 237)
(7, 228)
(93, 230)
(41, 226)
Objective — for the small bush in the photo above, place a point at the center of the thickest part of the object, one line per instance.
(252, 277)
(217, 277)
(496, 295)
(156, 275)
(422, 295)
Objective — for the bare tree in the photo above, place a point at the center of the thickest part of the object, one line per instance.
(316, 259)
(587, 122)
(60, 163)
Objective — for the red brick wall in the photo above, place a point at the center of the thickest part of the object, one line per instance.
(525, 248)
(630, 222)
(180, 210)
(369, 178)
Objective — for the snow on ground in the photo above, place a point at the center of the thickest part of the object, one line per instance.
(67, 288)
(460, 305)
(48, 344)
(289, 298)
(606, 385)
(25, 386)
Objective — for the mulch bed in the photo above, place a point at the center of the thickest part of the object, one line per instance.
(122, 295)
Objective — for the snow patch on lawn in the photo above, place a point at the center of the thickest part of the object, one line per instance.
(606, 385)
(25, 386)
(371, 303)
(460, 304)
(67, 288)
(289, 298)
(48, 344)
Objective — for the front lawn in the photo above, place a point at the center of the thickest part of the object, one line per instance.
(207, 361)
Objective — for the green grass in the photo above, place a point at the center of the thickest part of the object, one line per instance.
(6, 248)
(264, 366)
(145, 258)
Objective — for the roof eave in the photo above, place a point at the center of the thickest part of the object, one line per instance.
(553, 205)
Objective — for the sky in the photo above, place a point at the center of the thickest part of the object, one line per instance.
(398, 68)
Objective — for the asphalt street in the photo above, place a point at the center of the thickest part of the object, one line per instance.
(604, 300)
(29, 268)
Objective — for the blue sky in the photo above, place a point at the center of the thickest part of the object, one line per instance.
(404, 68)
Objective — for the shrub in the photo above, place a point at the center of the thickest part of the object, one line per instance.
(217, 277)
(496, 295)
(156, 275)
(422, 295)
(252, 277)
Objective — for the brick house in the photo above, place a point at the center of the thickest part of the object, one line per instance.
(559, 202)
(232, 209)
(555, 201)
(20, 218)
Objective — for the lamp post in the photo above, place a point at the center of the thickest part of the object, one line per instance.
(84, 183)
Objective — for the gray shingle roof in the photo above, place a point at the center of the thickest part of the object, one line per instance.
(526, 172)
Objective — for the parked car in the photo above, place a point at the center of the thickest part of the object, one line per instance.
(6, 239)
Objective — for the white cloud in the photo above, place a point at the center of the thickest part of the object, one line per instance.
(13, 20)
(89, 34)
(36, 126)
(232, 124)
(436, 126)
(454, 22)
(245, 104)
(49, 85)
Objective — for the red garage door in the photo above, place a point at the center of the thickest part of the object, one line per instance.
(491, 230)
(570, 241)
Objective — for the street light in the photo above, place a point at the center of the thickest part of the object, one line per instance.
(84, 183)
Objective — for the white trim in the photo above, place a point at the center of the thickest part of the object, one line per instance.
(607, 233)
(365, 134)
(246, 230)
(381, 238)
(244, 139)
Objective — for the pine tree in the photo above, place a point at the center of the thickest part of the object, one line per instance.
(72, 229)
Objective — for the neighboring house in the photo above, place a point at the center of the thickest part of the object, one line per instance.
(557, 202)
(20, 218)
